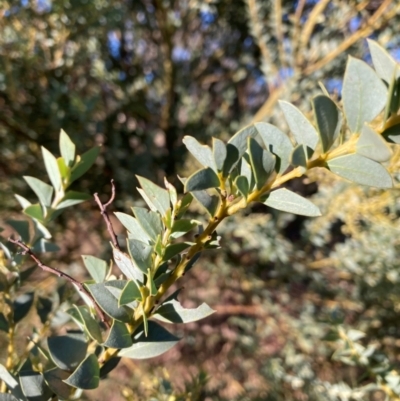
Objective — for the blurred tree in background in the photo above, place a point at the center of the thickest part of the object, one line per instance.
(138, 75)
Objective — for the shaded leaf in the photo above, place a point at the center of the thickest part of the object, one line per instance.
(7, 397)
(202, 153)
(84, 318)
(300, 156)
(126, 265)
(157, 342)
(239, 140)
(51, 165)
(21, 305)
(262, 162)
(67, 351)
(43, 306)
(97, 268)
(302, 130)
(202, 179)
(84, 163)
(67, 148)
(364, 94)
(370, 144)
(359, 169)
(43, 191)
(277, 143)
(173, 195)
(108, 302)
(174, 249)
(7, 377)
(129, 293)
(393, 103)
(155, 196)
(42, 246)
(392, 134)
(119, 336)
(192, 261)
(86, 375)
(34, 387)
(35, 211)
(185, 202)
(232, 158)
(327, 117)
(55, 380)
(3, 324)
(288, 201)
(182, 227)
(21, 227)
(209, 202)
(242, 185)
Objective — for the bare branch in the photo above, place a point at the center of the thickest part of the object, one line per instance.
(106, 218)
(59, 273)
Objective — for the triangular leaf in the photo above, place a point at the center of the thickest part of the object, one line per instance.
(154, 344)
(34, 387)
(35, 211)
(85, 320)
(370, 144)
(361, 170)
(300, 156)
(130, 293)
(288, 201)
(86, 375)
(202, 179)
(384, 63)
(181, 227)
(55, 380)
(364, 94)
(302, 130)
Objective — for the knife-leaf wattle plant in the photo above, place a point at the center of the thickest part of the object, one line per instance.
(119, 317)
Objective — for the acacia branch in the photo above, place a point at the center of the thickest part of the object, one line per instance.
(59, 273)
(103, 211)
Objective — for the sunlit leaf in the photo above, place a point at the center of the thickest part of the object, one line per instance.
(392, 134)
(157, 197)
(370, 144)
(51, 165)
(35, 211)
(384, 63)
(202, 153)
(67, 148)
(182, 227)
(141, 254)
(157, 342)
(34, 387)
(262, 162)
(173, 195)
(150, 221)
(129, 293)
(84, 318)
(239, 140)
(97, 268)
(364, 94)
(361, 170)
(288, 201)
(302, 130)
(126, 265)
(43, 191)
(132, 225)
(86, 375)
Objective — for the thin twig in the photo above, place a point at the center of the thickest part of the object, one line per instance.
(106, 218)
(59, 273)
